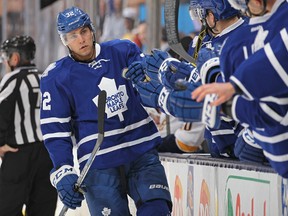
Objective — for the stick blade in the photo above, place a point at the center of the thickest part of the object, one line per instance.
(171, 10)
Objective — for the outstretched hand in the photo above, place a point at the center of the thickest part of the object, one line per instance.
(224, 92)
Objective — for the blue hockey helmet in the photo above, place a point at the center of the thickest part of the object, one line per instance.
(71, 19)
(220, 8)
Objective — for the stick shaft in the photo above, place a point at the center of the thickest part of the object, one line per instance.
(101, 118)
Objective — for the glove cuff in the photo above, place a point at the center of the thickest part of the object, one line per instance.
(166, 63)
(57, 175)
(162, 100)
(194, 76)
(208, 76)
(210, 113)
(249, 139)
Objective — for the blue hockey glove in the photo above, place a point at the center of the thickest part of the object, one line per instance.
(64, 179)
(179, 103)
(247, 150)
(153, 62)
(149, 92)
(172, 69)
(215, 152)
(208, 65)
(135, 72)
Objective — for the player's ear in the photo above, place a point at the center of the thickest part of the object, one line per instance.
(15, 59)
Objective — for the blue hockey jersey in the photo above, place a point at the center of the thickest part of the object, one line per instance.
(226, 135)
(255, 59)
(221, 141)
(69, 106)
(250, 39)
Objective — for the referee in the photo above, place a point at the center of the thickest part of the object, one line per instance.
(24, 173)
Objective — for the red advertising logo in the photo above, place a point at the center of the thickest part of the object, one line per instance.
(204, 207)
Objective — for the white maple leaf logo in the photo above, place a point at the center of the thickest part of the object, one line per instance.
(116, 98)
(106, 211)
(259, 41)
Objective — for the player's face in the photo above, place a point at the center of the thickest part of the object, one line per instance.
(256, 8)
(80, 42)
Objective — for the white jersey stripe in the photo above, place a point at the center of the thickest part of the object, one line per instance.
(276, 158)
(222, 132)
(270, 112)
(284, 37)
(280, 101)
(271, 139)
(275, 63)
(17, 123)
(120, 146)
(38, 129)
(26, 106)
(35, 85)
(241, 86)
(7, 91)
(117, 131)
(55, 120)
(56, 135)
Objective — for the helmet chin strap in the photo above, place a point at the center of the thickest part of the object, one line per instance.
(211, 28)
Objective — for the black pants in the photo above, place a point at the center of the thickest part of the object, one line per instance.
(24, 179)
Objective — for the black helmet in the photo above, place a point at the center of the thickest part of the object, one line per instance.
(23, 44)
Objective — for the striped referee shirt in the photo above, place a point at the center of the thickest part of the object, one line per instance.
(19, 107)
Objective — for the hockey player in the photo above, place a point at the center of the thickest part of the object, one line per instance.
(221, 24)
(257, 75)
(24, 174)
(127, 162)
(221, 21)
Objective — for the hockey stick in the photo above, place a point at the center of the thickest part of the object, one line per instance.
(101, 116)
(171, 8)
